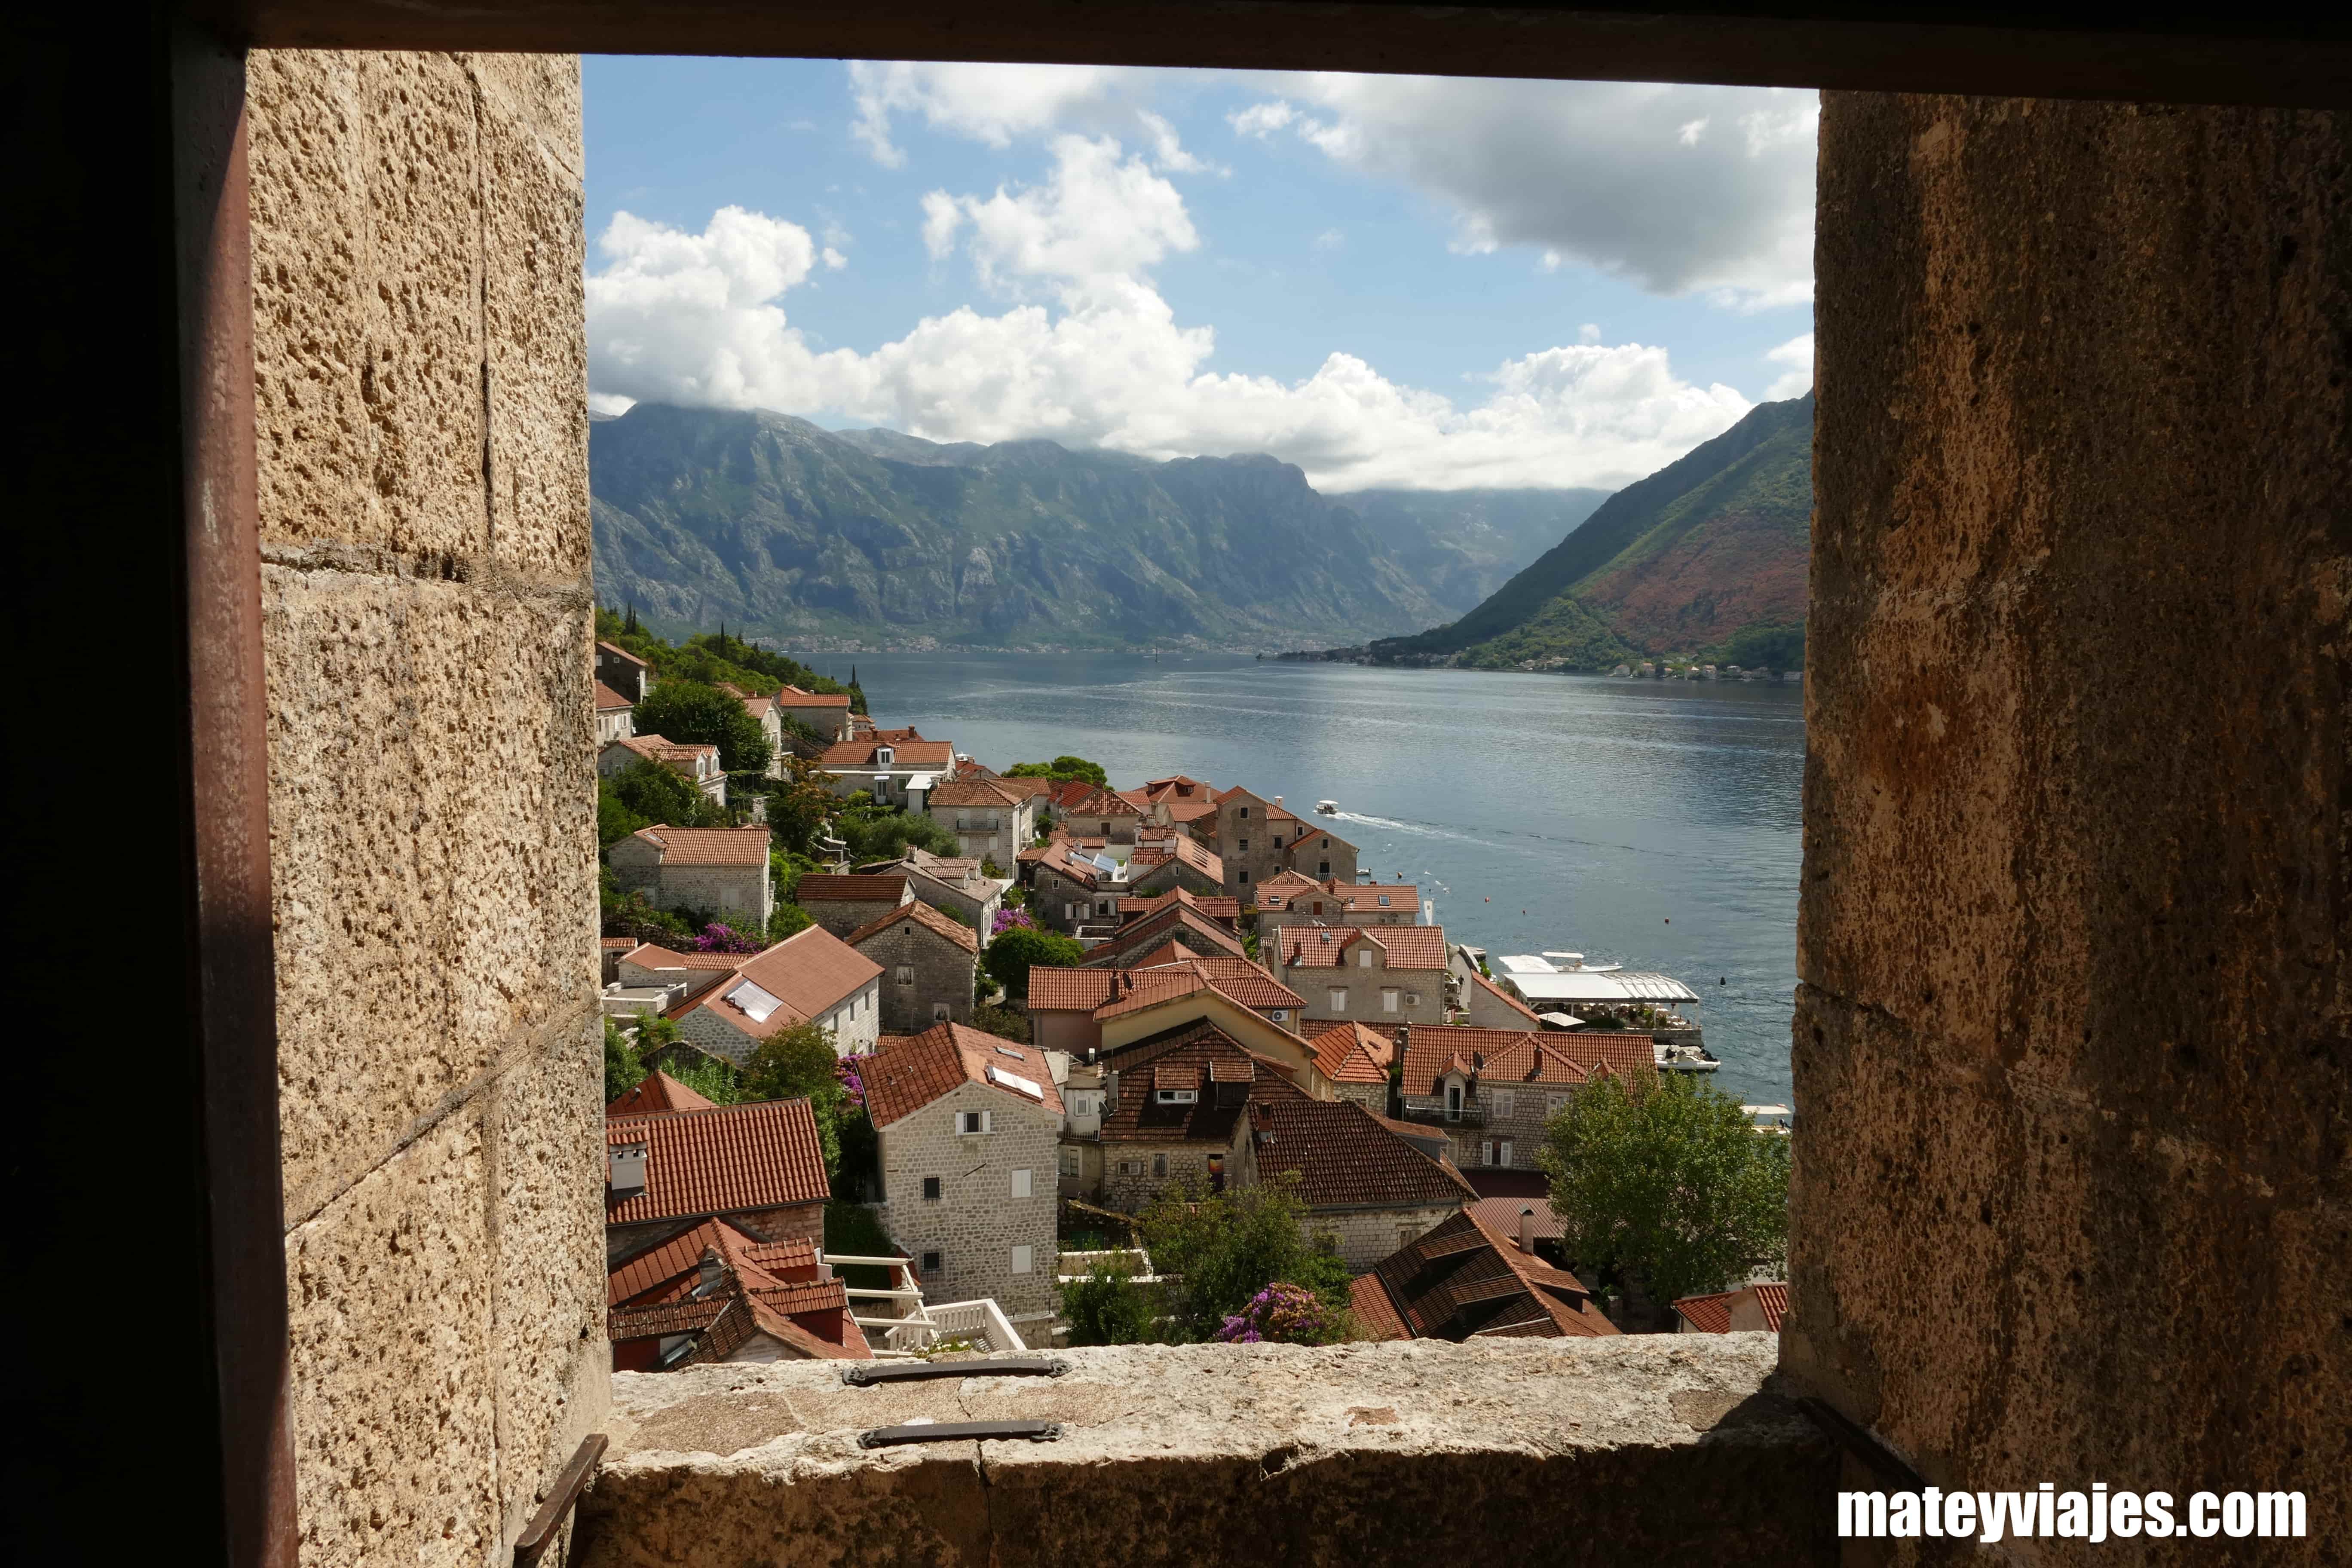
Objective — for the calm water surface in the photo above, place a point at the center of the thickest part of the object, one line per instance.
(1653, 825)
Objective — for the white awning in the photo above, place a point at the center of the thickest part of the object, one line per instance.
(921, 782)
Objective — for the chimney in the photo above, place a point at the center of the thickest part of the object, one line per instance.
(1528, 1231)
(1277, 802)
(713, 1270)
(624, 1170)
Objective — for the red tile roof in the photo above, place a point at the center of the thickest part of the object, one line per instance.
(616, 943)
(1175, 923)
(624, 653)
(859, 753)
(975, 791)
(823, 887)
(1186, 851)
(1708, 1314)
(1501, 1215)
(655, 1293)
(810, 972)
(910, 1071)
(659, 1091)
(1523, 1056)
(1375, 1313)
(607, 699)
(708, 845)
(1346, 1159)
(1071, 990)
(646, 956)
(1465, 1279)
(1330, 947)
(727, 1159)
(1187, 1059)
(1773, 1297)
(921, 915)
(1353, 1053)
(1336, 896)
(1513, 1003)
(794, 697)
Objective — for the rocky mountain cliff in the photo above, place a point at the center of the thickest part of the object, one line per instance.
(1708, 555)
(782, 529)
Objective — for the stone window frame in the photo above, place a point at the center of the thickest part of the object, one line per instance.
(934, 1189)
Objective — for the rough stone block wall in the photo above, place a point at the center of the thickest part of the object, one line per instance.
(1364, 1237)
(976, 1222)
(1372, 1097)
(943, 973)
(1129, 1192)
(842, 916)
(2074, 1044)
(420, 369)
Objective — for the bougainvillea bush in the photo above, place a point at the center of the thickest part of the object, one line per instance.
(1285, 1315)
(718, 938)
(1009, 920)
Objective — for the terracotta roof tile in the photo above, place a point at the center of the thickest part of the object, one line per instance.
(1375, 1313)
(646, 956)
(1501, 1215)
(1349, 1052)
(859, 753)
(624, 653)
(1142, 905)
(810, 972)
(910, 1071)
(1464, 1279)
(970, 791)
(708, 845)
(823, 887)
(1524, 1055)
(1071, 990)
(1329, 947)
(1346, 1159)
(1176, 923)
(1139, 1117)
(608, 699)
(722, 1161)
(794, 697)
(918, 913)
(1708, 1314)
(658, 1092)
(1774, 1298)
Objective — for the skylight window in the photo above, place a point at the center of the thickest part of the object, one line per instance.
(1009, 1051)
(1015, 1082)
(757, 1004)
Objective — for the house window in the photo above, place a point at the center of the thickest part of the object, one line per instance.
(1384, 900)
(930, 1189)
(1159, 1165)
(970, 1122)
(1552, 1103)
(1073, 1163)
(1180, 1096)
(1023, 1259)
(1243, 815)
(1244, 845)
(1244, 874)
(1325, 870)
(1022, 1183)
(1130, 1167)
(1387, 998)
(1503, 1099)
(1452, 1103)
(1487, 1152)
(1504, 1149)
(906, 974)
(1364, 958)
(931, 1262)
(938, 1012)
(1338, 999)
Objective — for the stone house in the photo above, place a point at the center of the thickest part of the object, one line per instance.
(810, 977)
(1369, 1188)
(616, 716)
(764, 712)
(1174, 1111)
(624, 672)
(1492, 1090)
(1072, 892)
(1069, 1008)
(954, 885)
(717, 1293)
(717, 870)
(1183, 925)
(698, 760)
(929, 963)
(967, 1125)
(656, 1092)
(1088, 811)
(759, 1167)
(1463, 1277)
(895, 767)
(1295, 899)
(826, 712)
(1177, 861)
(1356, 1058)
(1383, 975)
(1223, 911)
(842, 903)
(988, 818)
(1257, 840)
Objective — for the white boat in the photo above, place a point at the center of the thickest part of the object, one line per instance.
(1328, 807)
(1684, 1059)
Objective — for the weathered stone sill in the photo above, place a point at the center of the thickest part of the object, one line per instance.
(1657, 1449)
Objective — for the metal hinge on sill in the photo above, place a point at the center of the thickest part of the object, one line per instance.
(959, 1431)
(868, 1374)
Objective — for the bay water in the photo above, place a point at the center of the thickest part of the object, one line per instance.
(1654, 824)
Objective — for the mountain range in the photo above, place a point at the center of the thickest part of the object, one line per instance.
(782, 529)
(1706, 556)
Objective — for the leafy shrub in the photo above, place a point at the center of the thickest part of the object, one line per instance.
(1224, 1247)
(1108, 1307)
(1011, 955)
(1286, 1315)
(689, 710)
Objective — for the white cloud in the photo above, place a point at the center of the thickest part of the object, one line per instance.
(1589, 333)
(1797, 353)
(997, 104)
(1623, 177)
(1330, 239)
(692, 319)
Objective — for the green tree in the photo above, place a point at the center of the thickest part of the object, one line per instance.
(690, 710)
(1669, 1182)
(657, 792)
(707, 1076)
(884, 833)
(623, 1069)
(1224, 1247)
(1108, 1307)
(1061, 770)
(797, 1062)
(1010, 957)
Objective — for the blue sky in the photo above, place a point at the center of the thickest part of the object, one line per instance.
(1390, 280)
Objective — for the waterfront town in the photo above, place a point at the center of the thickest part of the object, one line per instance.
(912, 1053)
